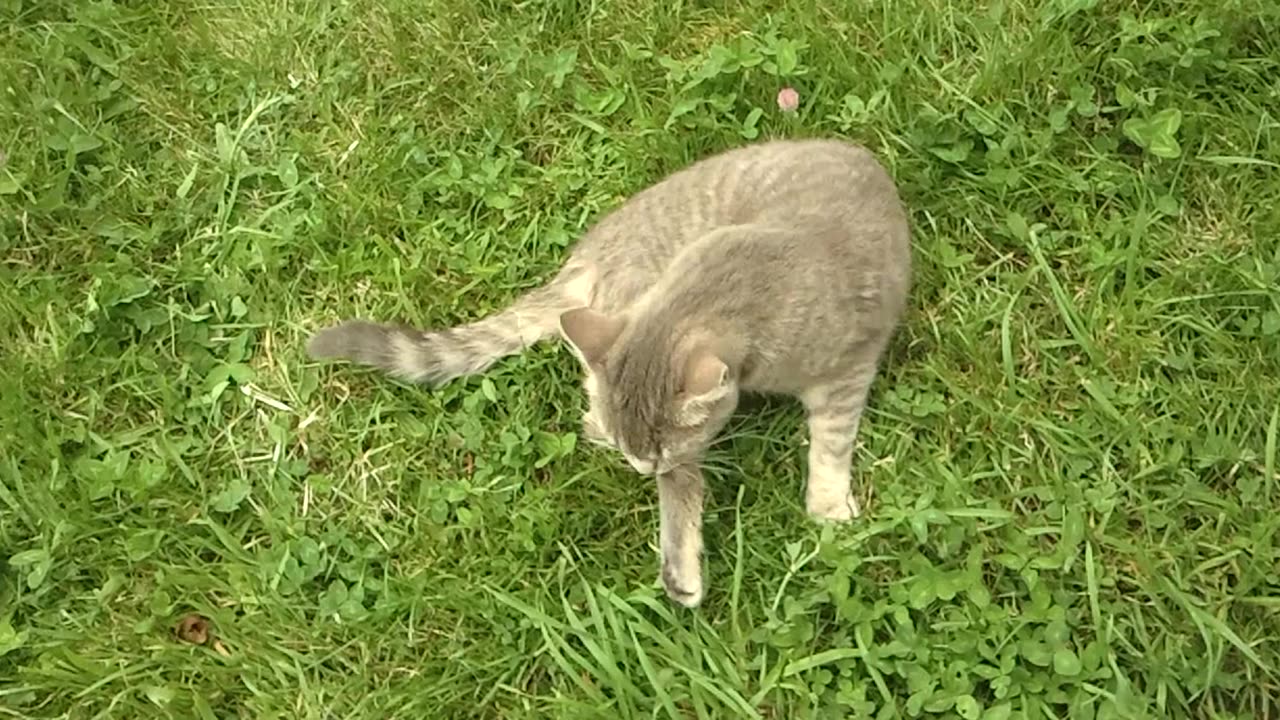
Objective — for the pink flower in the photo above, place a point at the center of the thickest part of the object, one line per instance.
(788, 99)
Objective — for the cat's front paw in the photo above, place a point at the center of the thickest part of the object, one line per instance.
(683, 582)
(833, 508)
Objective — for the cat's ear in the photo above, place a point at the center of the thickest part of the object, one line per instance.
(590, 333)
(706, 381)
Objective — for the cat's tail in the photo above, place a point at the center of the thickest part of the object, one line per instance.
(435, 357)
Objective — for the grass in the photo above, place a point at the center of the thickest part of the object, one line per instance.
(1071, 455)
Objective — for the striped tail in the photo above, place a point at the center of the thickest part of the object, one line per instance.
(436, 357)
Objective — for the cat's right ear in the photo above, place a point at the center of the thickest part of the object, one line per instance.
(590, 333)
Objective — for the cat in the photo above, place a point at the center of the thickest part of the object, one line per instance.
(779, 267)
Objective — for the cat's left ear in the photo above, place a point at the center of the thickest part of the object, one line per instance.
(590, 333)
(707, 380)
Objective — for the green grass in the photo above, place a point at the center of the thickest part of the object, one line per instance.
(1071, 455)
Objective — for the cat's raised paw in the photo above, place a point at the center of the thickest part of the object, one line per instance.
(833, 509)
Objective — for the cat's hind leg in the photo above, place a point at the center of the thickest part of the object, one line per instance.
(834, 411)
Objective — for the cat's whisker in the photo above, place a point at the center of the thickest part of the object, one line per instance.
(724, 468)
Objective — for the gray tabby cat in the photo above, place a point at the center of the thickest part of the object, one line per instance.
(779, 267)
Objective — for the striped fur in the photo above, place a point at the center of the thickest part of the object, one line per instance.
(780, 267)
(435, 357)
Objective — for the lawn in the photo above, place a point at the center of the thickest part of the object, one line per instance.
(1069, 464)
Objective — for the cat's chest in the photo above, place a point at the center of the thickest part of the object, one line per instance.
(763, 377)
(786, 373)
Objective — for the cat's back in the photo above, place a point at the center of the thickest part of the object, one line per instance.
(739, 186)
(814, 177)
(765, 182)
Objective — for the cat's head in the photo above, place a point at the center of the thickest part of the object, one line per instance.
(658, 401)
